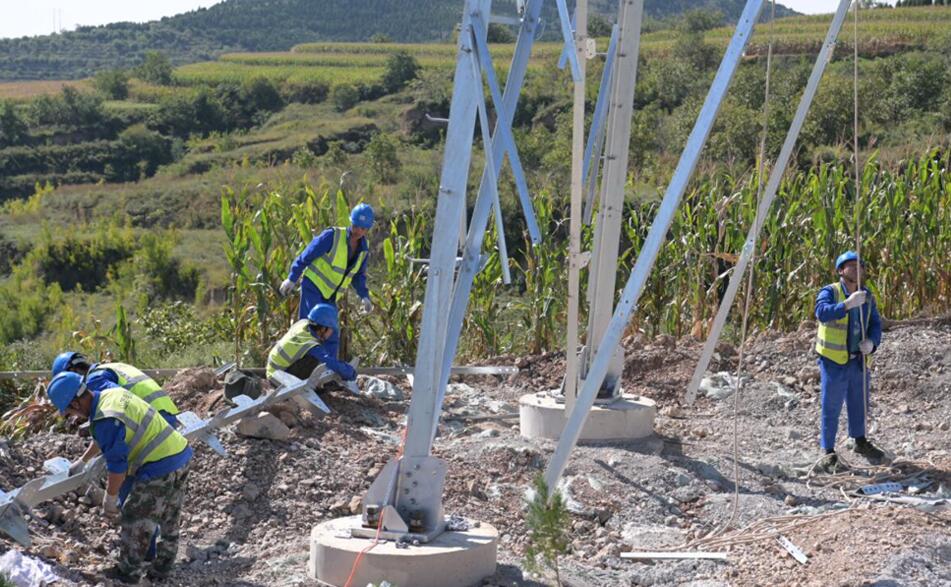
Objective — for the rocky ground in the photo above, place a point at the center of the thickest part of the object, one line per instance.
(247, 517)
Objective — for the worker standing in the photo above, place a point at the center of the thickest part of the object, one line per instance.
(843, 310)
(308, 343)
(335, 259)
(102, 376)
(147, 464)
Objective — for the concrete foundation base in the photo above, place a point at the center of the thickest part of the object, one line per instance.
(628, 418)
(453, 558)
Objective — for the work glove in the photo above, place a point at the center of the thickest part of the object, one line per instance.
(287, 286)
(855, 300)
(866, 346)
(76, 467)
(367, 305)
(110, 506)
(347, 372)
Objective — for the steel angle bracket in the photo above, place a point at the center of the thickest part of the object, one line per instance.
(569, 36)
(487, 141)
(503, 133)
(598, 131)
(415, 486)
(191, 420)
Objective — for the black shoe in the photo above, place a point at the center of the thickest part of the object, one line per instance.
(868, 450)
(830, 465)
(117, 576)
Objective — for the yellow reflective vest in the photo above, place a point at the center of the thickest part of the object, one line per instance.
(291, 348)
(149, 437)
(832, 338)
(141, 386)
(329, 272)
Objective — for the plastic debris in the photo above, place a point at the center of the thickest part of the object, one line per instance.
(26, 571)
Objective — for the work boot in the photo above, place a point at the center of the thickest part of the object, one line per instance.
(119, 578)
(868, 450)
(829, 465)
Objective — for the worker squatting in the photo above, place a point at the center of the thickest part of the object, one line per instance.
(133, 422)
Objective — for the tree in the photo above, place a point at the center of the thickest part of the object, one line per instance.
(156, 69)
(700, 20)
(382, 157)
(112, 83)
(380, 38)
(598, 26)
(12, 127)
(499, 33)
(547, 520)
(401, 68)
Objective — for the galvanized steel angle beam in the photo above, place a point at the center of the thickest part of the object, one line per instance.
(597, 132)
(568, 35)
(769, 195)
(655, 238)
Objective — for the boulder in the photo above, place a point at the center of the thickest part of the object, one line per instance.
(264, 425)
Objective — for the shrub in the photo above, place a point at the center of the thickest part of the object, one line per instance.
(305, 92)
(344, 97)
(112, 83)
(401, 67)
(382, 157)
(155, 69)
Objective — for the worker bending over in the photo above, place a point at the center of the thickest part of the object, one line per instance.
(842, 311)
(310, 342)
(147, 464)
(101, 376)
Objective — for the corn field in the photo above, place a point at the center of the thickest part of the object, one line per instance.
(903, 218)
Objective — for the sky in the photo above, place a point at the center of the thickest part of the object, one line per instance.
(42, 17)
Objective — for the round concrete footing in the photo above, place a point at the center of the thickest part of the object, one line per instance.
(628, 418)
(453, 558)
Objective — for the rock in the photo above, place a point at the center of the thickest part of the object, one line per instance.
(790, 500)
(795, 435)
(719, 385)
(250, 491)
(356, 503)
(488, 433)
(379, 389)
(340, 507)
(682, 479)
(265, 425)
(944, 426)
(673, 412)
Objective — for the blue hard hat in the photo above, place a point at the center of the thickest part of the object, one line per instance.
(64, 361)
(323, 315)
(64, 388)
(845, 258)
(362, 216)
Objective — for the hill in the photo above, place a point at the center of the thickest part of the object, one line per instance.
(276, 25)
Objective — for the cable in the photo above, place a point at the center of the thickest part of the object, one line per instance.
(379, 525)
(749, 284)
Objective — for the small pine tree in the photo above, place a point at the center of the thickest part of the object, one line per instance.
(547, 519)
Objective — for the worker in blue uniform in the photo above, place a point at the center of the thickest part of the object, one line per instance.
(842, 310)
(335, 259)
(307, 344)
(147, 464)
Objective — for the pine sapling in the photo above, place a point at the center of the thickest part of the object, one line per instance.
(548, 521)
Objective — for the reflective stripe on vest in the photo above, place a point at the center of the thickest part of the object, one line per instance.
(292, 347)
(832, 338)
(329, 272)
(148, 436)
(142, 386)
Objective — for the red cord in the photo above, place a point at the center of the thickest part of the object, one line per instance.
(379, 525)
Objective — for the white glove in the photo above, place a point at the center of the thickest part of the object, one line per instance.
(367, 305)
(287, 286)
(110, 505)
(866, 346)
(76, 467)
(855, 300)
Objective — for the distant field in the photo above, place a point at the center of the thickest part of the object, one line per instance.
(881, 32)
(31, 89)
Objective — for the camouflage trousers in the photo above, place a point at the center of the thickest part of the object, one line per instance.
(153, 507)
